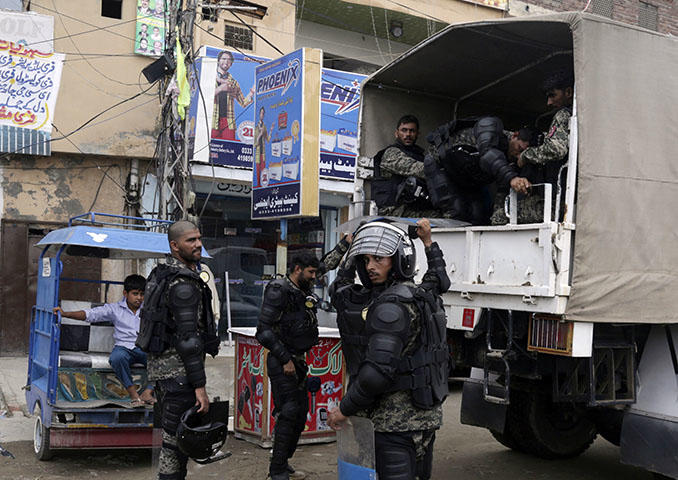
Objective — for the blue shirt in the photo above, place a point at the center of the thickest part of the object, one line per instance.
(125, 322)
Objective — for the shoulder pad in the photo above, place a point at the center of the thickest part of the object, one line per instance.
(183, 292)
(275, 293)
(388, 317)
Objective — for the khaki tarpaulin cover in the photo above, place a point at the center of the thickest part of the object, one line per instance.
(626, 241)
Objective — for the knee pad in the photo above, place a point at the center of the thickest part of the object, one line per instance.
(290, 411)
(395, 463)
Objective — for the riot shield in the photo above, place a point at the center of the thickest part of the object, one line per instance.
(355, 448)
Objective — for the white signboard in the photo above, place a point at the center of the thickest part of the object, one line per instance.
(29, 84)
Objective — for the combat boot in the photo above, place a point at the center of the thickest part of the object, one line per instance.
(280, 476)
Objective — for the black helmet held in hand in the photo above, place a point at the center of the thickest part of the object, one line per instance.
(202, 436)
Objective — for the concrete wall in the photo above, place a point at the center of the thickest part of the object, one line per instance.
(380, 51)
(90, 84)
(277, 27)
(623, 10)
(58, 187)
(447, 11)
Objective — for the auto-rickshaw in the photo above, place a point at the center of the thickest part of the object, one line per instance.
(80, 402)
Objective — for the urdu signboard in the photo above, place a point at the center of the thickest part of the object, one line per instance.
(286, 136)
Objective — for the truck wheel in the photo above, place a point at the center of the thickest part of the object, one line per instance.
(41, 438)
(512, 437)
(550, 430)
(507, 440)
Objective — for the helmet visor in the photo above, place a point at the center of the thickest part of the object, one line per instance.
(379, 239)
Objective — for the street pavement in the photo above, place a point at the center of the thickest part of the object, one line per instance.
(462, 452)
(16, 424)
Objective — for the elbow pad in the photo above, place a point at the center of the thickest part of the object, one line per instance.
(271, 309)
(487, 132)
(184, 303)
(268, 339)
(368, 385)
(494, 162)
(190, 349)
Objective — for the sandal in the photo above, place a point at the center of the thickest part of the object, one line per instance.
(137, 403)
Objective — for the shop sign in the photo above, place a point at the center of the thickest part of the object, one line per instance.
(340, 106)
(286, 142)
(213, 138)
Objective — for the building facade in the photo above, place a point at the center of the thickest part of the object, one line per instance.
(106, 125)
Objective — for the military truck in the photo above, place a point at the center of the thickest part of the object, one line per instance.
(570, 324)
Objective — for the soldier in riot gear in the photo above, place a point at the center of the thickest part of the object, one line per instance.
(288, 328)
(465, 157)
(395, 346)
(399, 184)
(541, 163)
(177, 330)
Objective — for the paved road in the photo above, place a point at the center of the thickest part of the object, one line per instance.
(462, 453)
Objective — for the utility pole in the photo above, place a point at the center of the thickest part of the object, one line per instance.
(172, 168)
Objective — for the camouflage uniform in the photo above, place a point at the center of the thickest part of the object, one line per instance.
(395, 162)
(175, 393)
(394, 411)
(549, 155)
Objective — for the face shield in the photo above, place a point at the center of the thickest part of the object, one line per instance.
(377, 238)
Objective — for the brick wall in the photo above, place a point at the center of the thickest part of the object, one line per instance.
(622, 10)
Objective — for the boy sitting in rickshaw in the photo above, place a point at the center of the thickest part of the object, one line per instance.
(124, 315)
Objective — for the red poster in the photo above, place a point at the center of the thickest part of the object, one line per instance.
(249, 384)
(325, 362)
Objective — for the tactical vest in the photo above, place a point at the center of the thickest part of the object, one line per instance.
(156, 326)
(299, 321)
(385, 190)
(424, 371)
(350, 302)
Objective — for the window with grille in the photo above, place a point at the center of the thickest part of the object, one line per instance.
(238, 37)
(602, 7)
(648, 16)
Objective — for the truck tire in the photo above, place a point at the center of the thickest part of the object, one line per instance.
(41, 445)
(507, 440)
(549, 430)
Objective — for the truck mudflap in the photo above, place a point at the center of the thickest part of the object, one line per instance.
(476, 411)
(650, 443)
(649, 435)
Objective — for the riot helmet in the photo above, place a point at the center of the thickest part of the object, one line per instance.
(202, 436)
(384, 240)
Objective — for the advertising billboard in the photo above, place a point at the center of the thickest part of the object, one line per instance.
(286, 136)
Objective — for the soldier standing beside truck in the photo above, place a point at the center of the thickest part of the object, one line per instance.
(395, 346)
(288, 328)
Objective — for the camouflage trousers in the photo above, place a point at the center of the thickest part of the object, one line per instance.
(176, 396)
(408, 212)
(530, 210)
(172, 463)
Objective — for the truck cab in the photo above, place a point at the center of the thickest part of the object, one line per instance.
(561, 319)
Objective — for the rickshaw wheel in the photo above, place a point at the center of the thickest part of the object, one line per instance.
(41, 438)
